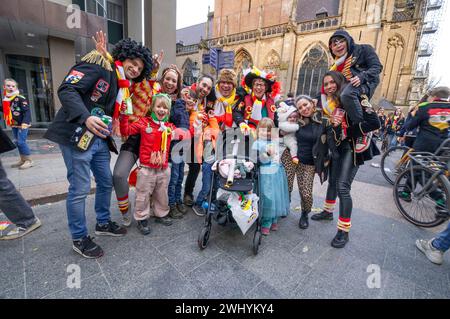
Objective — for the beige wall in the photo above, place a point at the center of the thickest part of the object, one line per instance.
(134, 19)
(62, 57)
(232, 17)
(160, 28)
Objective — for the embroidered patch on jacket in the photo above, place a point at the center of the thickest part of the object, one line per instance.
(102, 86)
(439, 118)
(74, 77)
(96, 95)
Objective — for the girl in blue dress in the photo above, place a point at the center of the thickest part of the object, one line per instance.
(274, 194)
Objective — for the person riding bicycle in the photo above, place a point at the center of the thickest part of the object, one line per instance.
(432, 118)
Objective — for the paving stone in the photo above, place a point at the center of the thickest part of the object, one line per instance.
(185, 255)
(18, 292)
(283, 276)
(420, 271)
(265, 291)
(164, 282)
(126, 261)
(223, 277)
(422, 293)
(94, 287)
(12, 265)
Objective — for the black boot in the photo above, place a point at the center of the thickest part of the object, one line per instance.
(324, 215)
(340, 240)
(304, 223)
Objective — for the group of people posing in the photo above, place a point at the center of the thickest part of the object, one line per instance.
(165, 126)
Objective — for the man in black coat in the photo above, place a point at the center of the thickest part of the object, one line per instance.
(82, 128)
(360, 65)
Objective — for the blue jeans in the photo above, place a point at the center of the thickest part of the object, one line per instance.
(442, 240)
(79, 166)
(392, 140)
(176, 182)
(20, 138)
(207, 175)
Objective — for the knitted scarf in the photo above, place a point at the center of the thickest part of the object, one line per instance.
(341, 65)
(223, 107)
(224, 104)
(166, 131)
(254, 112)
(122, 96)
(141, 95)
(7, 98)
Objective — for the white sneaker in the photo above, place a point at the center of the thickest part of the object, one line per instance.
(434, 255)
(27, 164)
(126, 219)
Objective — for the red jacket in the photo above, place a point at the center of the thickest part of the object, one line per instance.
(150, 152)
(269, 106)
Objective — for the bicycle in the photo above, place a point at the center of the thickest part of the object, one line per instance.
(422, 191)
(394, 161)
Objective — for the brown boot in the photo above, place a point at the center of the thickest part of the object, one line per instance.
(27, 163)
(19, 163)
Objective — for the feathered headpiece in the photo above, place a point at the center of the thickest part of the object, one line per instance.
(273, 86)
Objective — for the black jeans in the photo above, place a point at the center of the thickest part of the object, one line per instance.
(194, 170)
(350, 99)
(332, 179)
(346, 174)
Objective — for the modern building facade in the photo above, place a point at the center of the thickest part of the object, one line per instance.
(41, 39)
(291, 37)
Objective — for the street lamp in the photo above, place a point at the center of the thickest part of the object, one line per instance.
(195, 71)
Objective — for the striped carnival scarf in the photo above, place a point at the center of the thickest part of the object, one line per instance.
(256, 111)
(224, 104)
(157, 88)
(6, 103)
(341, 65)
(329, 104)
(141, 95)
(122, 96)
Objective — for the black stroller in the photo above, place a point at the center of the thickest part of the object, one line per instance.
(222, 214)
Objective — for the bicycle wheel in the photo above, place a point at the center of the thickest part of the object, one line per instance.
(390, 163)
(422, 207)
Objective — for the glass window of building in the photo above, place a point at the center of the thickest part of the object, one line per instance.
(115, 22)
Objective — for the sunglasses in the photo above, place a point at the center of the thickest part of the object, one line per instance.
(337, 41)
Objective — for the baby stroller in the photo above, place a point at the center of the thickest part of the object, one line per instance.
(222, 213)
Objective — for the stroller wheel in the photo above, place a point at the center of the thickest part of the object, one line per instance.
(203, 237)
(256, 242)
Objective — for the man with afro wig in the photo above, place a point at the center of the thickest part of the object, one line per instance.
(92, 96)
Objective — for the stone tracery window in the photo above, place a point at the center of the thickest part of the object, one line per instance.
(188, 77)
(242, 61)
(314, 66)
(273, 61)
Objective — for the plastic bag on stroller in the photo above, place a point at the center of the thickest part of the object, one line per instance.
(244, 209)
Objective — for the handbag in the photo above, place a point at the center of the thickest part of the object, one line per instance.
(6, 144)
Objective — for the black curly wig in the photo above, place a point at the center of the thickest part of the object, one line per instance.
(130, 49)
